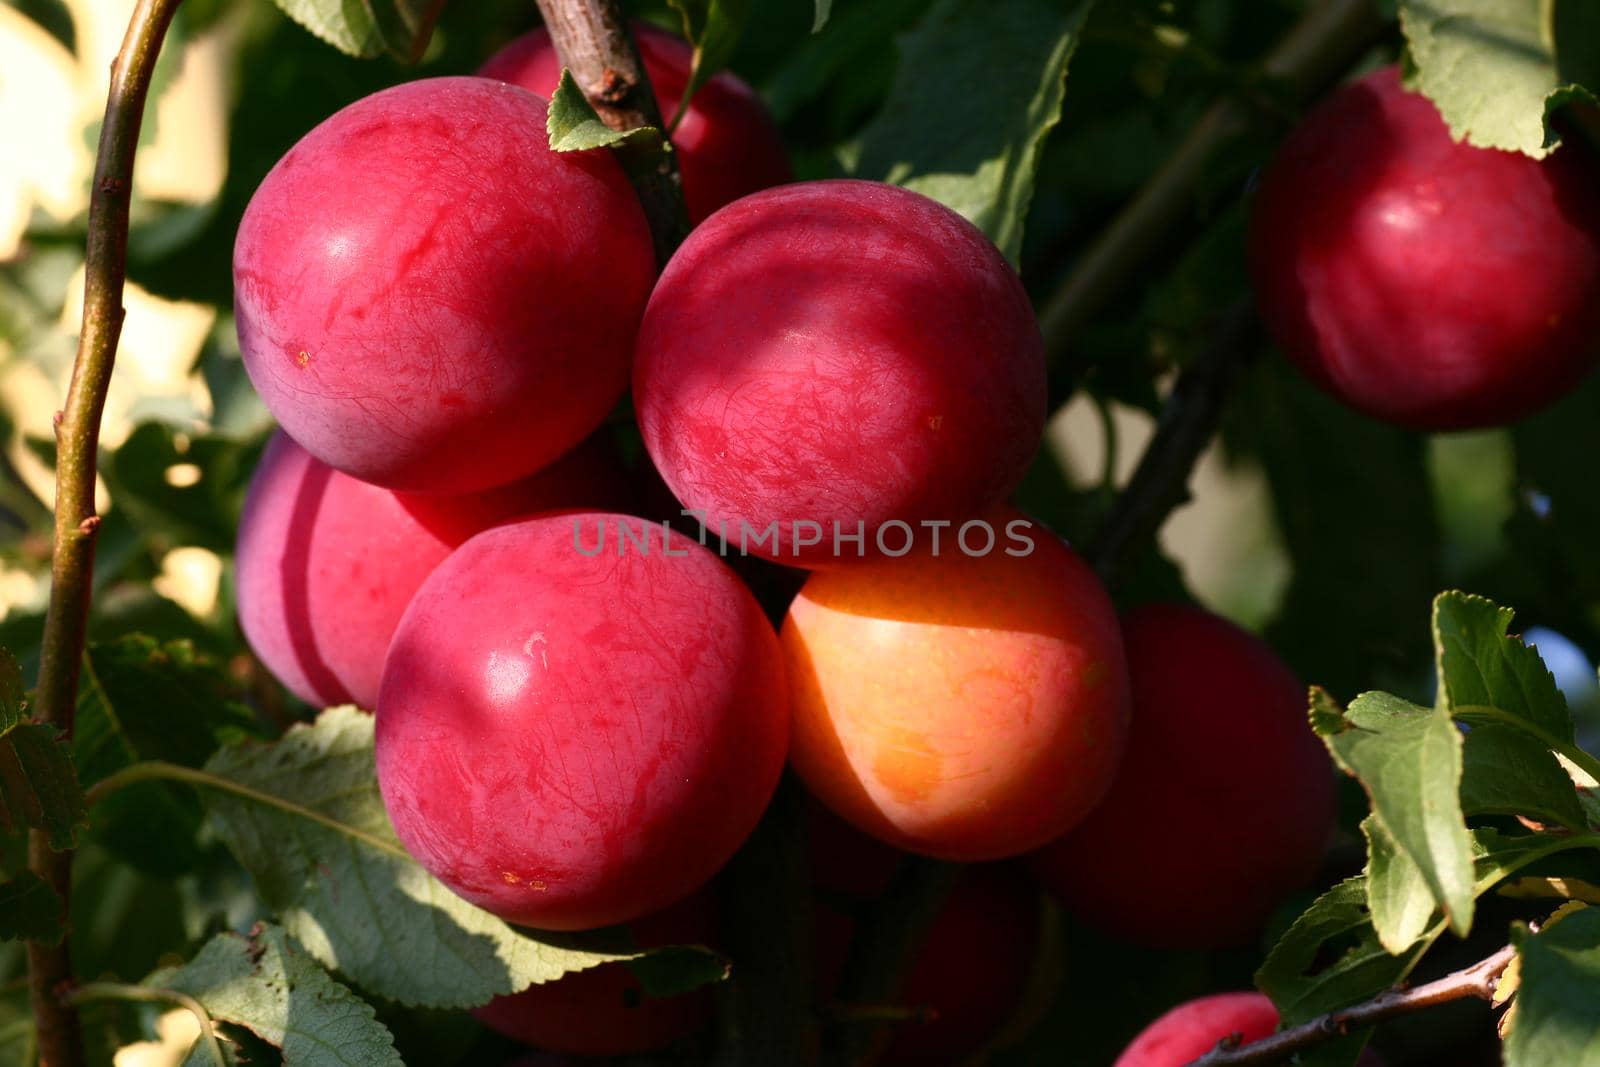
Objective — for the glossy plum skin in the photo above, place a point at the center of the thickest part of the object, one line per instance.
(966, 708)
(603, 1011)
(883, 363)
(1194, 1027)
(572, 740)
(728, 146)
(1424, 282)
(326, 564)
(1225, 788)
(431, 300)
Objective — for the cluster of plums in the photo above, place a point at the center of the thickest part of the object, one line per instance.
(582, 710)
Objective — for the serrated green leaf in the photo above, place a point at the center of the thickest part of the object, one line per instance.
(977, 150)
(1330, 958)
(1558, 1000)
(677, 970)
(1492, 69)
(573, 125)
(352, 896)
(713, 28)
(1398, 896)
(11, 692)
(1505, 771)
(1325, 714)
(38, 786)
(371, 27)
(30, 910)
(1408, 759)
(272, 988)
(824, 8)
(1480, 666)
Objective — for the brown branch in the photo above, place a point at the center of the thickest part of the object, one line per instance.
(1188, 421)
(77, 440)
(1330, 36)
(1478, 980)
(594, 43)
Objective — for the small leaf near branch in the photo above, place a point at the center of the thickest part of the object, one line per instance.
(344, 887)
(30, 910)
(271, 987)
(38, 786)
(11, 692)
(573, 126)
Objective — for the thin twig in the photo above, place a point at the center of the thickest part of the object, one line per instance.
(1478, 980)
(594, 43)
(118, 991)
(1188, 421)
(77, 440)
(884, 949)
(1330, 36)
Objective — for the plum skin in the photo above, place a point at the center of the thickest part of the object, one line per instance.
(839, 352)
(325, 564)
(727, 143)
(603, 1011)
(965, 708)
(1426, 282)
(572, 740)
(431, 300)
(1224, 787)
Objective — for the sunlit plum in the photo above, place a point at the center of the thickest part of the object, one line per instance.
(825, 358)
(429, 298)
(963, 707)
(574, 732)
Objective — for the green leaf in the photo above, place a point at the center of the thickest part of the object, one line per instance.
(573, 126)
(713, 28)
(401, 28)
(38, 785)
(1492, 68)
(824, 9)
(1558, 1001)
(1330, 958)
(1481, 667)
(30, 910)
(1505, 771)
(1408, 759)
(140, 699)
(269, 986)
(979, 86)
(349, 892)
(11, 692)
(1401, 902)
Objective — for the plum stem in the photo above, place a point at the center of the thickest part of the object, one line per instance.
(594, 43)
(77, 439)
(1479, 980)
(1327, 39)
(1189, 419)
